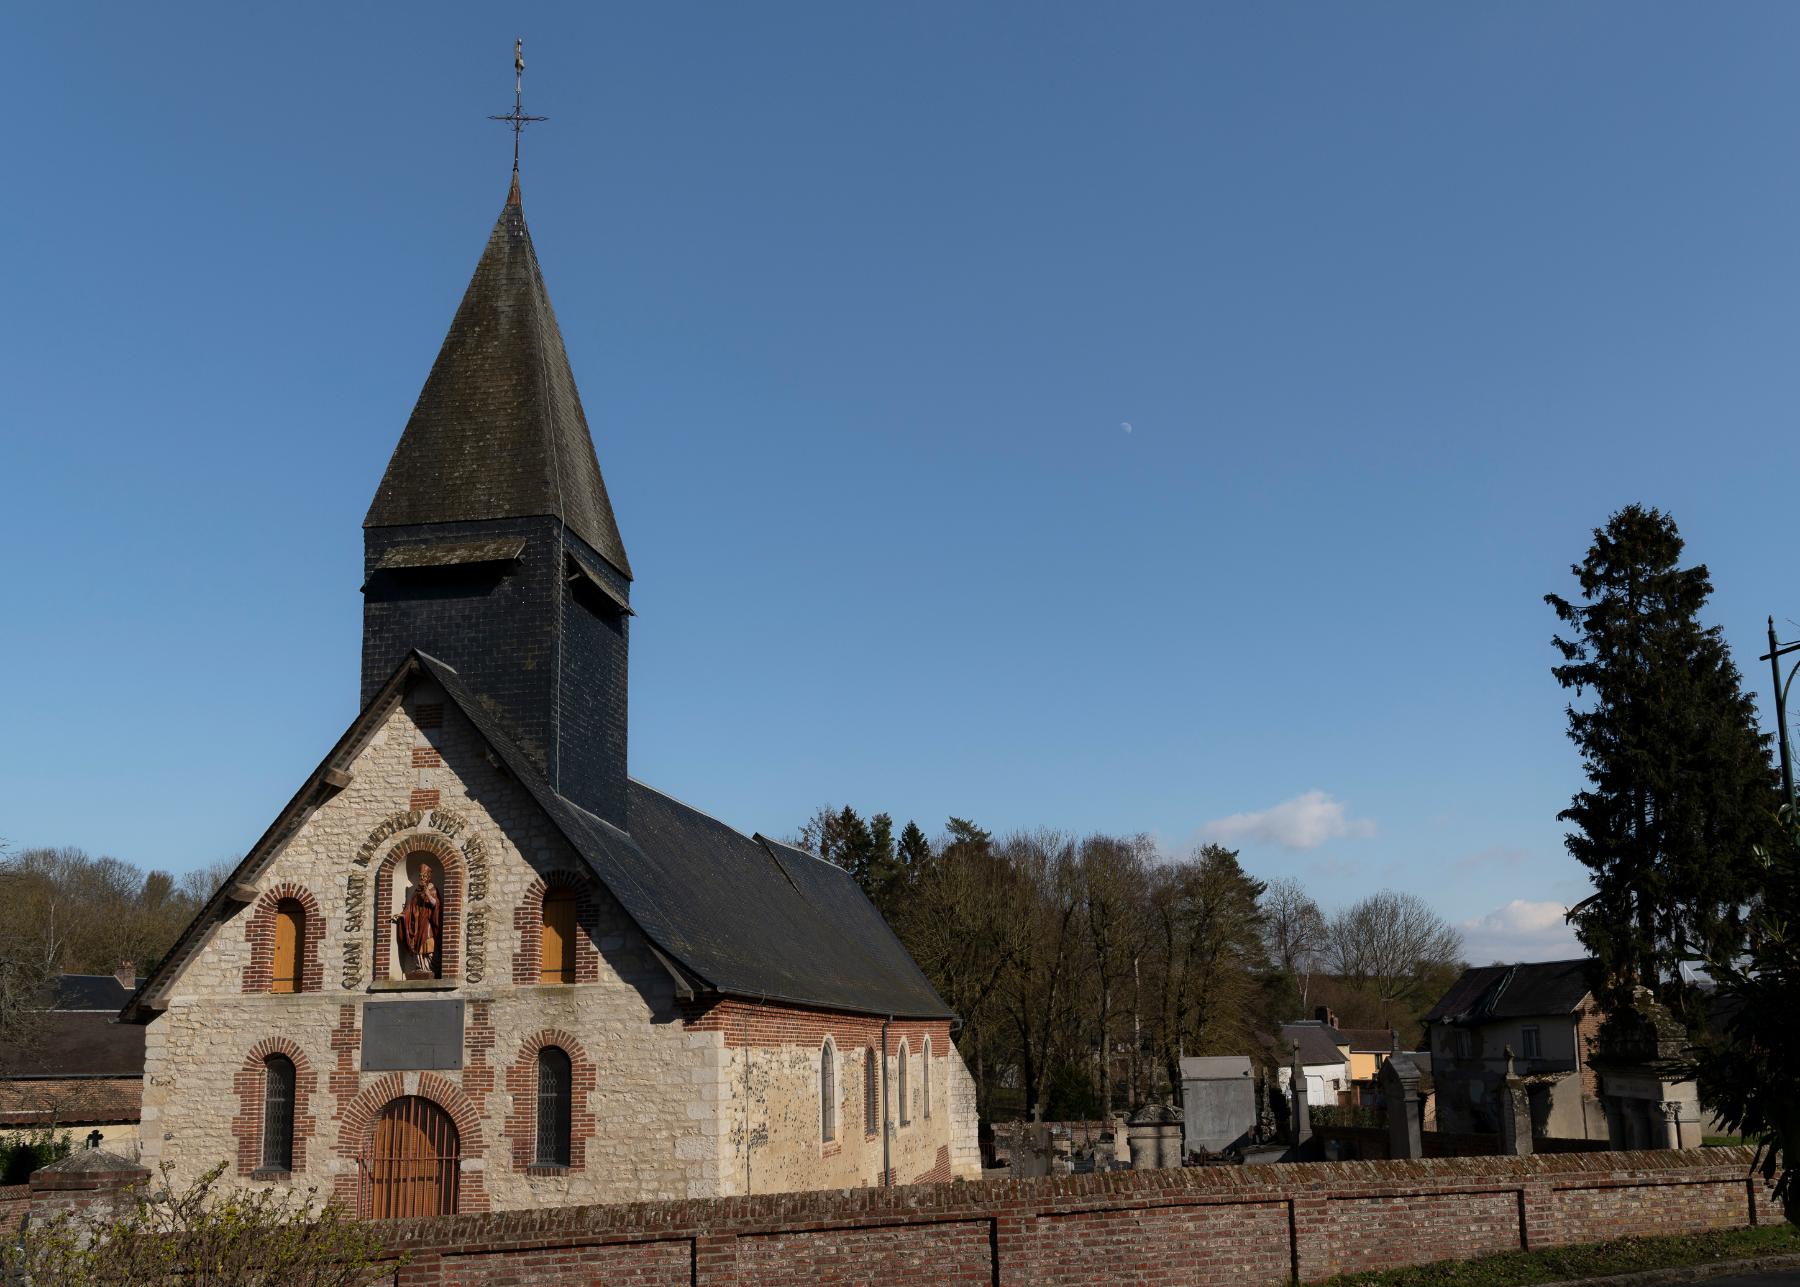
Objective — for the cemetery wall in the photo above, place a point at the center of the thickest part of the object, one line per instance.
(1239, 1225)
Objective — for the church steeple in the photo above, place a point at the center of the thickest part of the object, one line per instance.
(498, 431)
(491, 542)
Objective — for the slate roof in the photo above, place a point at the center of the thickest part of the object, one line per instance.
(1486, 992)
(1318, 1042)
(498, 430)
(1369, 1039)
(76, 1043)
(741, 914)
(736, 914)
(85, 992)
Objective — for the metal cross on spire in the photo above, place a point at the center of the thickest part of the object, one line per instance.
(517, 117)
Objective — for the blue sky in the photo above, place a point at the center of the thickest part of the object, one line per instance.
(1128, 417)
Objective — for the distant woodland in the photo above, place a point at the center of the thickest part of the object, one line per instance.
(1084, 968)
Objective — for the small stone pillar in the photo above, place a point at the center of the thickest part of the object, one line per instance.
(1671, 1113)
(1121, 1142)
(1515, 1112)
(1301, 1121)
(1400, 1088)
(1155, 1134)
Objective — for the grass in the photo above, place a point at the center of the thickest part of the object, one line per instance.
(1595, 1260)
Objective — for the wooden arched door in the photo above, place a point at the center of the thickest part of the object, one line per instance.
(413, 1161)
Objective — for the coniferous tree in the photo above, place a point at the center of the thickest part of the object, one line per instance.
(1680, 792)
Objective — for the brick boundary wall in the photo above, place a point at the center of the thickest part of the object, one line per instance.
(15, 1200)
(1205, 1225)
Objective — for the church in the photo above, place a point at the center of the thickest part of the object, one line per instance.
(474, 965)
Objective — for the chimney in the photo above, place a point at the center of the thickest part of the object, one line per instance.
(126, 974)
(1325, 1016)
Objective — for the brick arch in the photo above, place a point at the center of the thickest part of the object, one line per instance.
(528, 924)
(450, 891)
(250, 1084)
(356, 1130)
(520, 1128)
(259, 932)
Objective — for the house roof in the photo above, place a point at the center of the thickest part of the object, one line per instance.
(84, 1101)
(76, 1043)
(1486, 992)
(498, 430)
(736, 914)
(1319, 1042)
(1364, 1040)
(85, 992)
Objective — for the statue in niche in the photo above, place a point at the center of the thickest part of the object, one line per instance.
(418, 926)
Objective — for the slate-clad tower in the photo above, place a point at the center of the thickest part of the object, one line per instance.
(491, 543)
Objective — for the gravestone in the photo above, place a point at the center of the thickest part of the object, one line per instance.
(1400, 1089)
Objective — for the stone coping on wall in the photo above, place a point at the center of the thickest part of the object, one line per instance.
(1222, 1185)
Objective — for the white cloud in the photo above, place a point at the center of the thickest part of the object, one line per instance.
(1523, 930)
(1304, 822)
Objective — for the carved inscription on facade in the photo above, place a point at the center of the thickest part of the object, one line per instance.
(447, 821)
(391, 825)
(475, 949)
(475, 858)
(354, 889)
(353, 963)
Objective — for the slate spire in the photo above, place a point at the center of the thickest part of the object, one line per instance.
(498, 430)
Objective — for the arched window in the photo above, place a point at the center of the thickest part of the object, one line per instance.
(278, 1113)
(553, 1106)
(925, 1081)
(827, 1091)
(556, 961)
(905, 1114)
(290, 940)
(871, 1093)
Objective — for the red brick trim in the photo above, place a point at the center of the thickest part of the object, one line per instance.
(520, 1128)
(528, 925)
(356, 1130)
(424, 799)
(259, 932)
(940, 1170)
(250, 1084)
(767, 1023)
(449, 866)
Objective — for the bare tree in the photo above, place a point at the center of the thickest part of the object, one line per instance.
(1111, 876)
(1036, 992)
(1389, 944)
(1295, 932)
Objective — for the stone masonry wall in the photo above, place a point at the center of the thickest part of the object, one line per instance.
(770, 1098)
(1246, 1225)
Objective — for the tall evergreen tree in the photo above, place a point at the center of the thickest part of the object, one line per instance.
(1680, 791)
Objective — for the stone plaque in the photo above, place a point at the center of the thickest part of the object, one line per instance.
(400, 1036)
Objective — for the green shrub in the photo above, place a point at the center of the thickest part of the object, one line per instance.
(38, 1148)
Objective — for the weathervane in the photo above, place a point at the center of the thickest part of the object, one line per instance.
(517, 117)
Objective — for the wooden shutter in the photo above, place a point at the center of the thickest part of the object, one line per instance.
(278, 1114)
(556, 964)
(290, 933)
(554, 1102)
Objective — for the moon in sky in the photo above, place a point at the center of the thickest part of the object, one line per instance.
(1125, 425)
